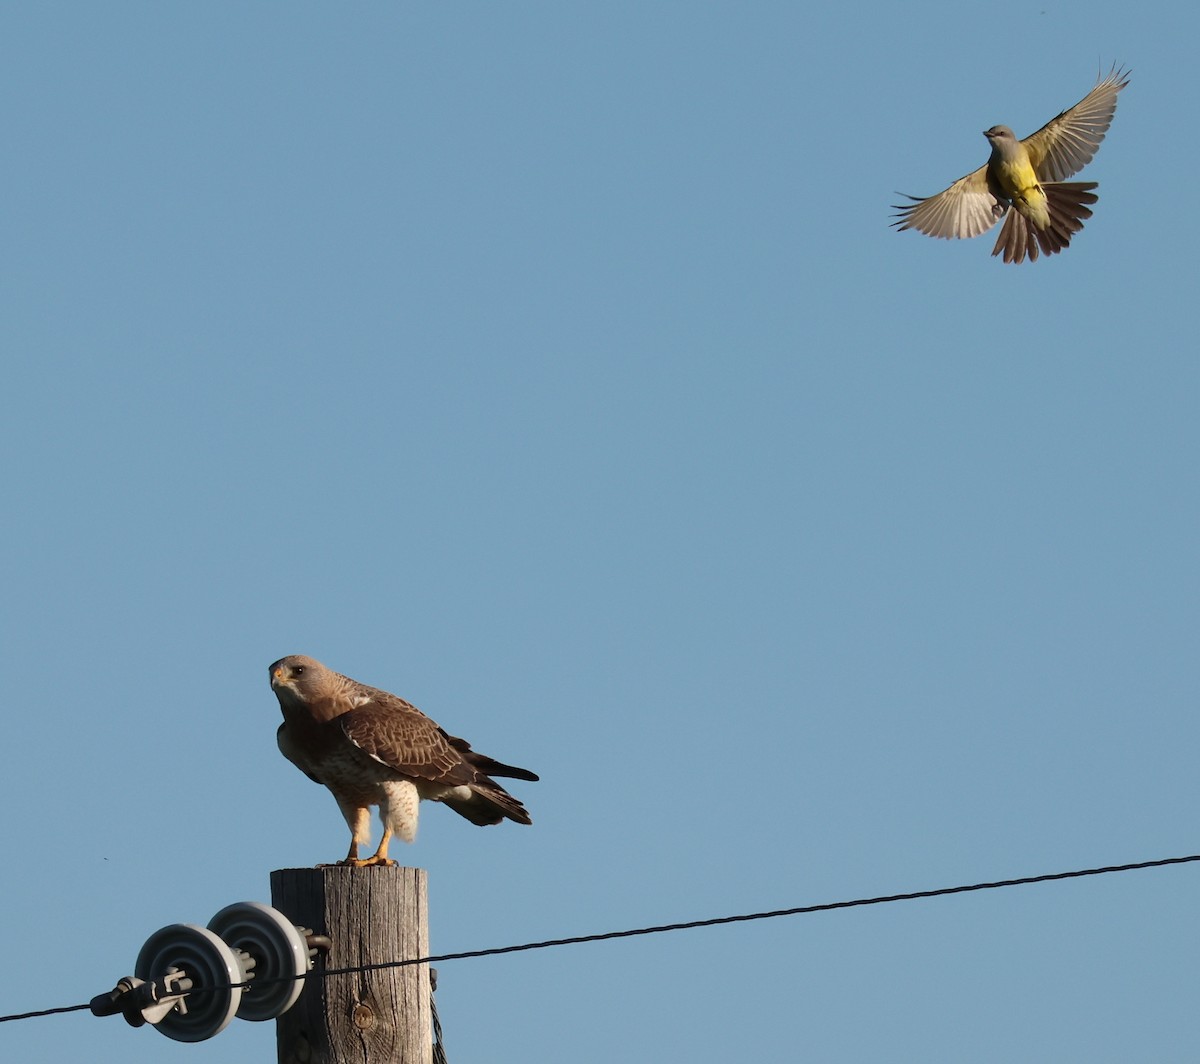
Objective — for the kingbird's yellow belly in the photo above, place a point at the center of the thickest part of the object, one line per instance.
(1020, 184)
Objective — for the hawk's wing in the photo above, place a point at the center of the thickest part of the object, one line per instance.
(1067, 143)
(489, 764)
(967, 208)
(400, 736)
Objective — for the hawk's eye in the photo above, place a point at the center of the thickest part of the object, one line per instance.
(297, 670)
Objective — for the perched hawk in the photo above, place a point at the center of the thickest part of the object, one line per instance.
(372, 748)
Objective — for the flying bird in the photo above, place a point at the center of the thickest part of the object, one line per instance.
(370, 747)
(1023, 182)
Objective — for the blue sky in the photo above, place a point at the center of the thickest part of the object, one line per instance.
(554, 366)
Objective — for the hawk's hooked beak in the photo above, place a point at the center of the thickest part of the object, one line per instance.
(277, 677)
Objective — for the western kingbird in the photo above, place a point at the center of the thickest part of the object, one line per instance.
(1028, 177)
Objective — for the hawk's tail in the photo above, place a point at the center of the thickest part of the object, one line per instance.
(1069, 204)
(489, 804)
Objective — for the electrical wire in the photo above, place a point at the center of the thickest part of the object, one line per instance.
(605, 936)
(44, 1012)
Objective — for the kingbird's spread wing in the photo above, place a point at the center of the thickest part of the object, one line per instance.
(1066, 144)
(967, 208)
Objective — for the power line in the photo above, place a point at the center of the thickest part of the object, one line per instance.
(799, 910)
(688, 925)
(44, 1012)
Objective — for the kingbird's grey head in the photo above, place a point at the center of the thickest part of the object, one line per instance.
(1003, 141)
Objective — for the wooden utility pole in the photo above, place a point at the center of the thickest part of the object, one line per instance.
(372, 915)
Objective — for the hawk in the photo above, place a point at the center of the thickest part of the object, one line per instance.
(370, 747)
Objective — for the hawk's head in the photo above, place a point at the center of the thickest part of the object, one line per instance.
(298, 676)
(303, 685)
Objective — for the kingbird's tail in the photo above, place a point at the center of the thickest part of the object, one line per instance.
(1068, 203)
